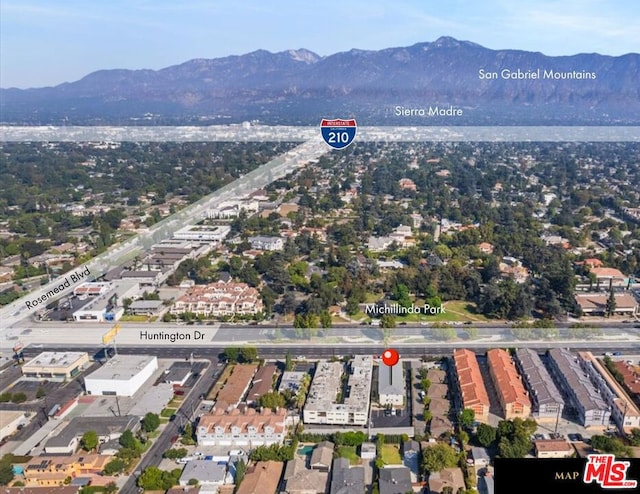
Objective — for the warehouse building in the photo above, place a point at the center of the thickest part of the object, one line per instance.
(123, 375)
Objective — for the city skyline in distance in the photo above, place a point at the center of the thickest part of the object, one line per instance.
(42, 45)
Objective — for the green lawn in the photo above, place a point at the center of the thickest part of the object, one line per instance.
(168, 412)
(391, 455)
(348, 452)
(455, 310)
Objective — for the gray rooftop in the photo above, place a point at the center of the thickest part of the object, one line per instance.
(207, 472)
(391, 380)
(578, 381)
(102, 426)
(346, 479)
(540, 384)
(395, 480)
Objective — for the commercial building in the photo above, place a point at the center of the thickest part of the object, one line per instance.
(242, 427)
(595, 304)
(473, 394)
(56, 365)
(10, 421)
(219, 299)
(546, 400)
(513, 398)
(391, 385)
(606, 277)
(326, 403)
(122, 375)
(107, 428)
(145, 307)
(92, 289)
(203, 233)
(101, 309)
(578, 390)
(624, 411)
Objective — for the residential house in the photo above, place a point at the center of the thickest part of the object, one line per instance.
(346, 479)
(552, 448)
(263, 477)
(394, 480)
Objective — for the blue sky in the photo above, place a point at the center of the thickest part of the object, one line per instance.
(45, 42)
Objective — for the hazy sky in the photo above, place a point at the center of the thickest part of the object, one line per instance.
(45, 42)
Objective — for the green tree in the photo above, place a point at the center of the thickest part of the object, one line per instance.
(467, 418)
(19, 397)
(6, 469)
(387, 321)
(611, 304)
(89, 441)
(439, 457)
(634, 438)
(288, 363)
(187, 434)
(325, 319)
(174, 454)
(486, 435)
(150, 422)
(248, 354)
(40, 393)
(110, 488)
(128, 440)
(150, 478)
(272, 400)
(241, 470)
(114, 466)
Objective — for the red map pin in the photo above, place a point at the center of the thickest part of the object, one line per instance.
(390, 357)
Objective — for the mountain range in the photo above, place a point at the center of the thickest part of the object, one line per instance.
(299, 87)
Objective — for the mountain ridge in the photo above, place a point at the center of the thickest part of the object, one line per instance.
(298, 86)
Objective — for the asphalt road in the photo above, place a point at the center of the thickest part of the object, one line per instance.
(184, 414)
(329, 350)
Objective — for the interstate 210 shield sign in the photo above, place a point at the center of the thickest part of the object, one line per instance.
(338, 133)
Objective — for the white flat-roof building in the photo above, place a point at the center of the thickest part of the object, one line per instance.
(326, 403)
(57, 365)
(10, 420)
(203, 233)
(123, 375)
(101, 309)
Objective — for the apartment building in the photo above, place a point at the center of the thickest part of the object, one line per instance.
(580, 393)
(468, 380)
(328, 402)
(624, 411)
(242, 427)
(546, 400)
(219, 299)
(513, 397)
